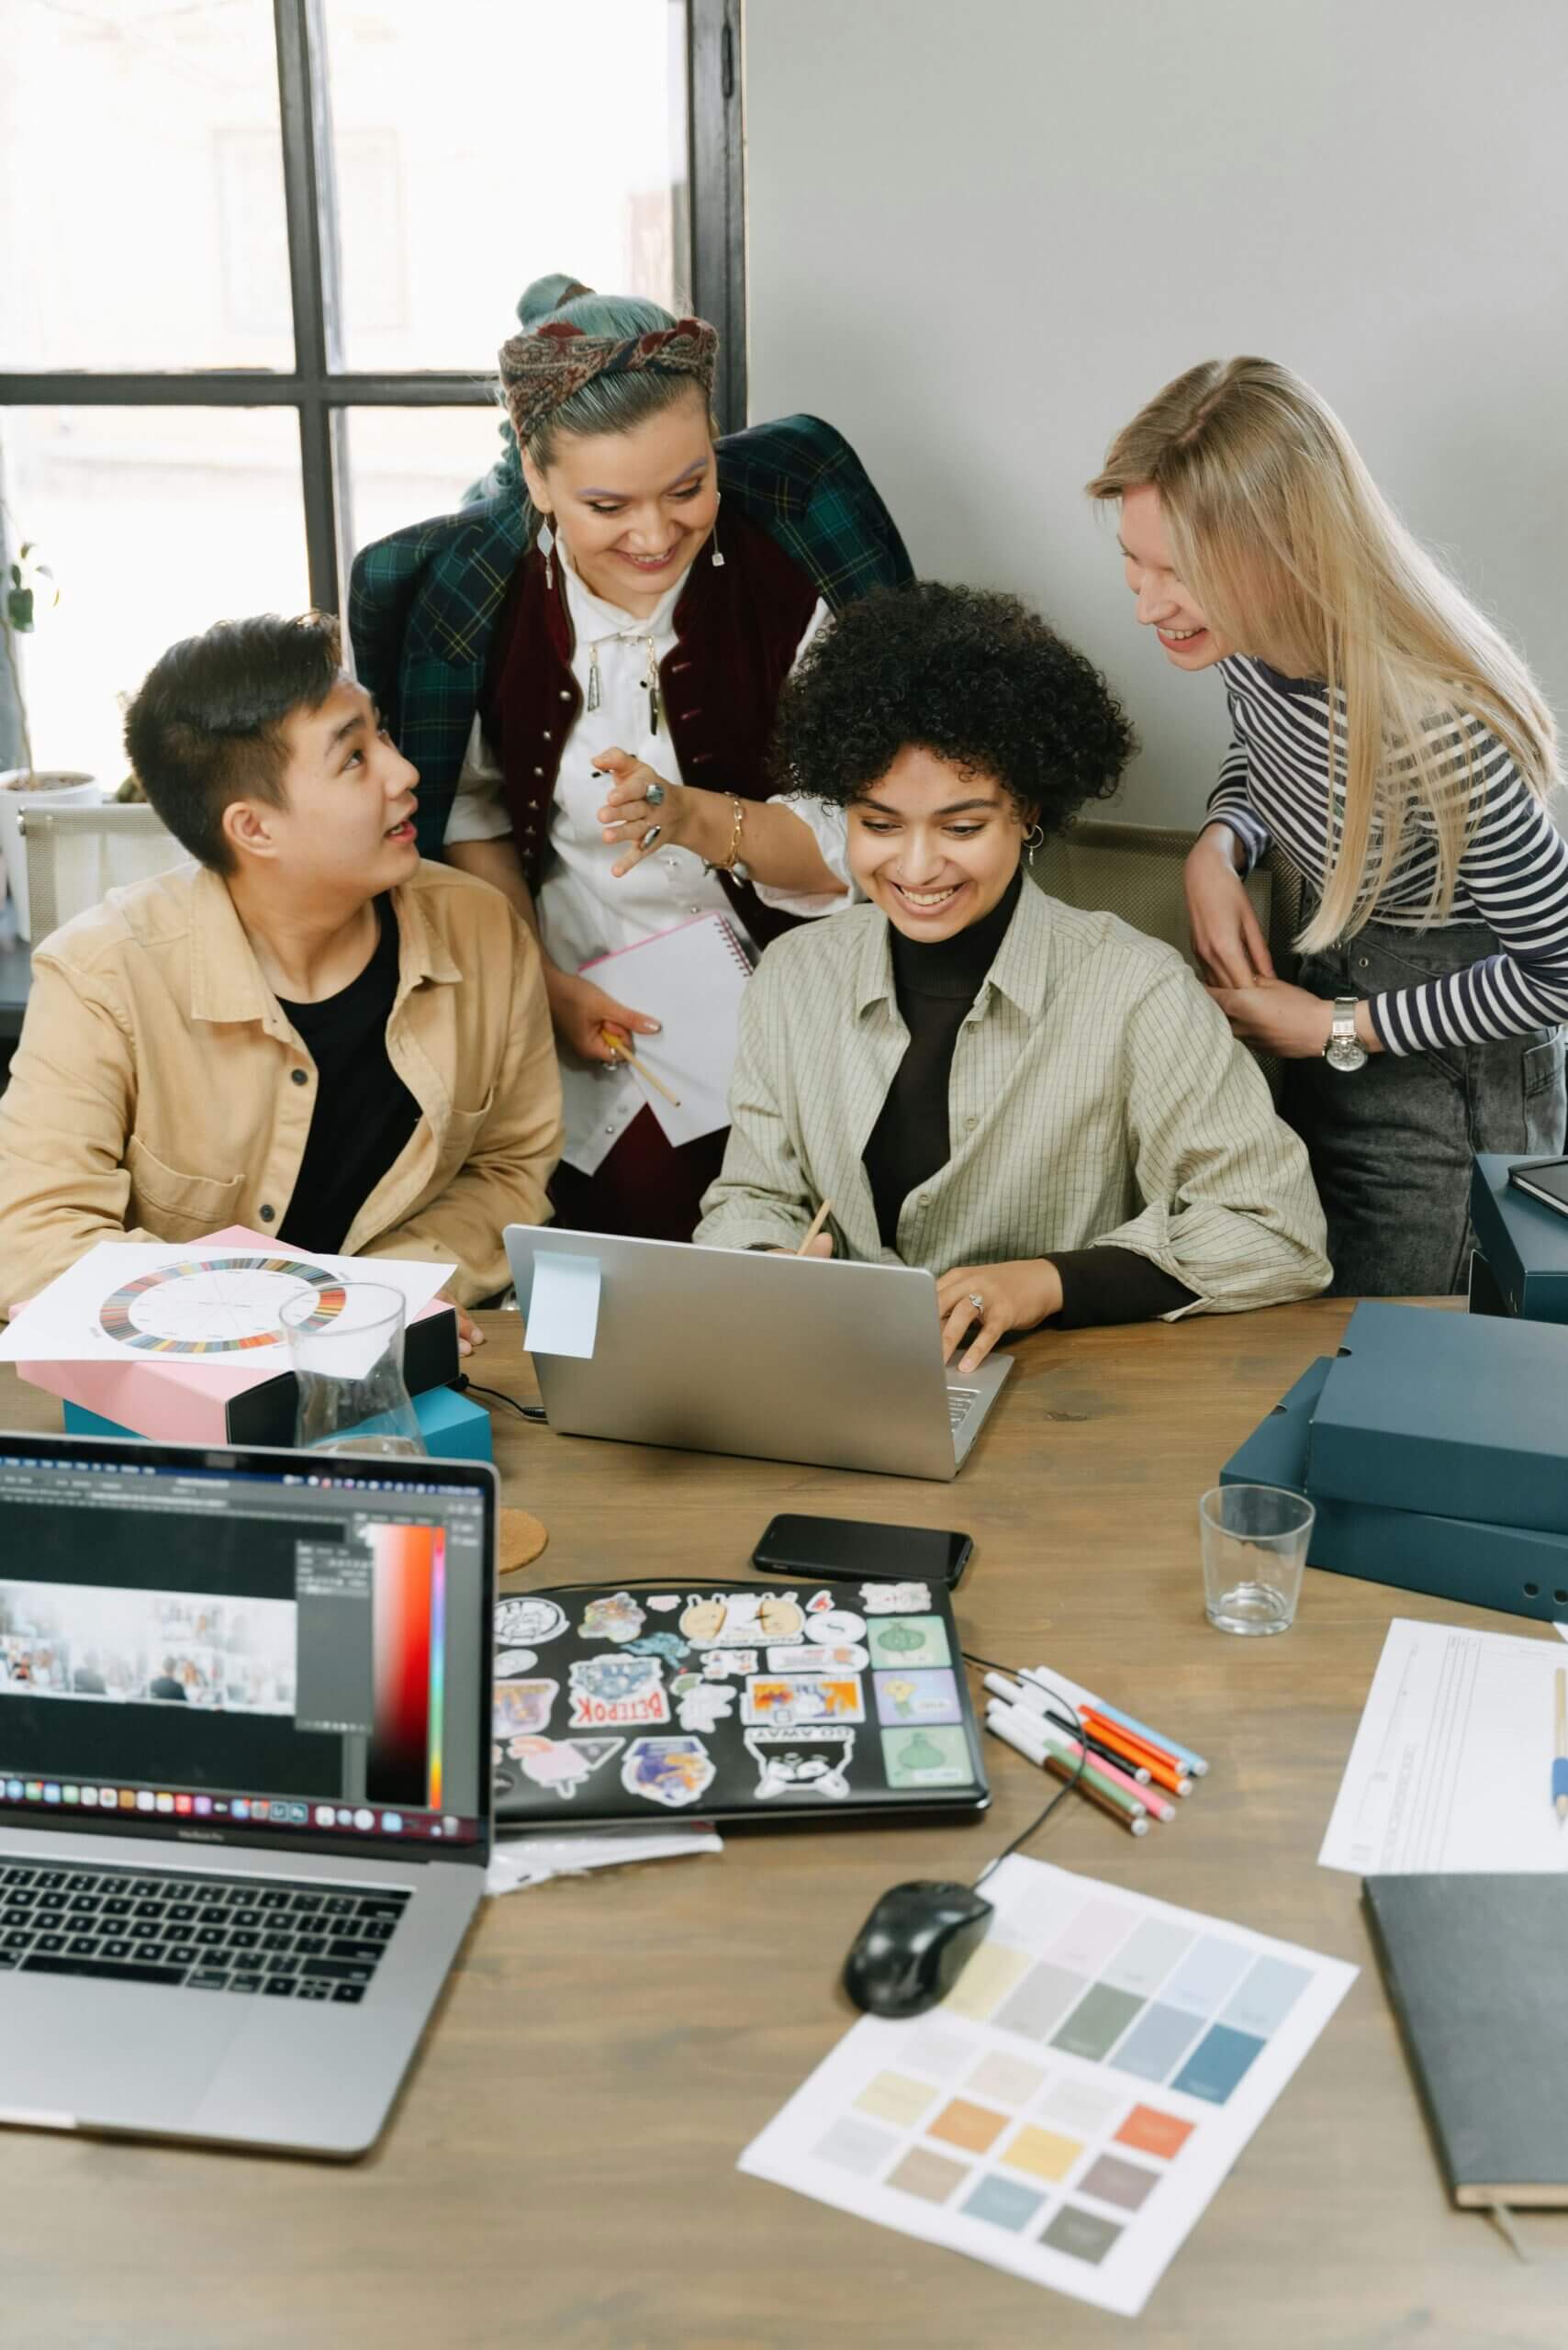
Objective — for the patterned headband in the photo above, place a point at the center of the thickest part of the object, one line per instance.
(542, 370)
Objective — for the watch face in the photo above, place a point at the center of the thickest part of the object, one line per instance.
(1346, 1052)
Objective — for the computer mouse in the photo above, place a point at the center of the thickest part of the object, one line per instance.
(913, 1946)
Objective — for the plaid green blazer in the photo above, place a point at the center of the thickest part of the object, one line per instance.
(422, 604)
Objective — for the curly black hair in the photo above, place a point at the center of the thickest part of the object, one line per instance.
(969, 674)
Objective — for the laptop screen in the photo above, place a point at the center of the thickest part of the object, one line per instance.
(207, 1647)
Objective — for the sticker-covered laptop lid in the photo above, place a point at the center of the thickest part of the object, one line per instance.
(730, 1701)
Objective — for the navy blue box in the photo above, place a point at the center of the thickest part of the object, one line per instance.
(1483, 1565)
(1525, 1244)
(1454, 1414)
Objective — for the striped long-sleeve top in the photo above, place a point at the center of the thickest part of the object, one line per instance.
(1274, 787)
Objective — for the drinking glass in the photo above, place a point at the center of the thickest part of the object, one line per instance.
(348, 1362)
(1255, 1544)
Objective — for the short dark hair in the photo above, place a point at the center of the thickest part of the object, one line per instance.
(968, 674)
(206, 727)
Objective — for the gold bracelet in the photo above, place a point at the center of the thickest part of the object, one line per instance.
(727, 865)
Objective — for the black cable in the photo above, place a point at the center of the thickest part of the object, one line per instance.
(990, 1665)
(467, 1386)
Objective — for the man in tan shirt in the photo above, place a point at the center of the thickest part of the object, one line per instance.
(307, 1030)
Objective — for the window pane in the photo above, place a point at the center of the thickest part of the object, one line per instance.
(406, 464)
(142, 212)
(155, 522)
(527, 135)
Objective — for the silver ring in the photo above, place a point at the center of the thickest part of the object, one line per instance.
(655, 795)
(650, 836)
(977, 1300)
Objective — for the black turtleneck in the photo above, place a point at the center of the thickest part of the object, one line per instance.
(935, 983)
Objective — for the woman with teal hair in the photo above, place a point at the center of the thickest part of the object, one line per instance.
(585, 663)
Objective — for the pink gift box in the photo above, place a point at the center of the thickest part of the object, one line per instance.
(196, 1400)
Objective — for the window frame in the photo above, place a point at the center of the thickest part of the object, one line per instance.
(318, 387)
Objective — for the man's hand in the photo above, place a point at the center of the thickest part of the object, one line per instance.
(1010, 1297)
(1226, 939)
(469, 1334)
(1286, 1020)
(581, 1012)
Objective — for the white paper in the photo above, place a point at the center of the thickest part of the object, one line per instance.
(206, 1314)
(1451, 1767)
(1116, 2162)
(534, 1860)
(562, 1316)
(690, 980)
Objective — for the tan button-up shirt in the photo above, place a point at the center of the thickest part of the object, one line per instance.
(1096, 1098)
(153, 1096)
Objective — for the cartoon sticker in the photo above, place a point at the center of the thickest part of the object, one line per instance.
(894, 1598)
(834, 1625)
(803, 1657)
(705, 1704)
(917, 1697)
(563, 1764)
(802, 1761)
(670, 1771)
(517, 1707)
(817, 1601)
(616, 1616)
(665, 1603)
(719, 1663)
(669, 1645)
(790, 1697)
(928, 1758)
(910, 1642)
(742, 1618)
(514, 1660)
(611, 1691)
(519, 1621)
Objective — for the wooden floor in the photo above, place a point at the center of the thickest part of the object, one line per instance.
(561, 2170)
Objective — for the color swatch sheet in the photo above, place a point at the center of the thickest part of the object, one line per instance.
(1069, 2109)
(1452, 1764)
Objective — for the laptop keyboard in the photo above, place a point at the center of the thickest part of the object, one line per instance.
(264, 1939)
(961, 1401)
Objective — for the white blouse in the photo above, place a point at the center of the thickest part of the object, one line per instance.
(584, 912)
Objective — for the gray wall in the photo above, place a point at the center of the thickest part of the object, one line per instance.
(982, 232)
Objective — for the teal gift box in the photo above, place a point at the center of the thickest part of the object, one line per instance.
(1478, 1562)
(1521, 1264)
(455, 1428)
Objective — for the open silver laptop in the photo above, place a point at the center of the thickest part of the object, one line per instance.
(245, 1781)
(732, 1350)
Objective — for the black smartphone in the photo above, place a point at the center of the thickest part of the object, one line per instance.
(1545, 1180)
(848, 1547)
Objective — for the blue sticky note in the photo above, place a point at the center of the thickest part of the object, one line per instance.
(562, 1306)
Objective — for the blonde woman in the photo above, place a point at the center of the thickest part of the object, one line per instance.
(1395, 749)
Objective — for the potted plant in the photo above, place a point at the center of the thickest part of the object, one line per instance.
(31, 584)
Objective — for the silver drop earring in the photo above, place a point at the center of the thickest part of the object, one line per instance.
(1033, 839)
(717, 558)
(546, 545)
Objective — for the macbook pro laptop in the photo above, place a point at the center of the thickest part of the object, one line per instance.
(245, 1781)
(734, 1350)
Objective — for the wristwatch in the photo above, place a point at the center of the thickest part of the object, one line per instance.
(1344, 1049)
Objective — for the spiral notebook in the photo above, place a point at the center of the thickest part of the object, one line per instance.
(690, 980)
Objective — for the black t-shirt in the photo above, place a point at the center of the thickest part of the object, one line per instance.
(364, 1113)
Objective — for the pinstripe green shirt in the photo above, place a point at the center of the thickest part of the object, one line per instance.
(1096, 1098)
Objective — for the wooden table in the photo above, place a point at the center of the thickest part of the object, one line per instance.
(561, 2170)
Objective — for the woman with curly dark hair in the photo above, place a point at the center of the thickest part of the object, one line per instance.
(1036, 1104)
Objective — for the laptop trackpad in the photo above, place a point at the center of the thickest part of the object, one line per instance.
(123, 2055)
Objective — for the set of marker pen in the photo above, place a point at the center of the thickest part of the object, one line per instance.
(1118, 1763)
(1170, 1764)
(1037, 1737)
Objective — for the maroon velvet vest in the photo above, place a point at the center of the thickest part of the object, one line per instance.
(736, 631)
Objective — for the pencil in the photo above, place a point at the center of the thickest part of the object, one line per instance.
(639, 1069)
(1560, 1767)
(818, 1220)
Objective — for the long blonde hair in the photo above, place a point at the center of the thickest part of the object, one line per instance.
(1294, 555)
